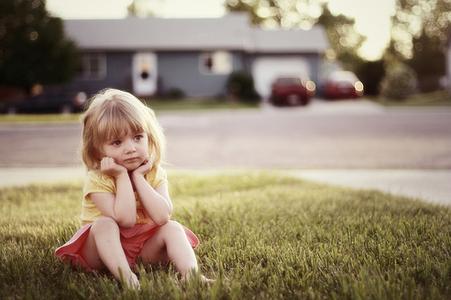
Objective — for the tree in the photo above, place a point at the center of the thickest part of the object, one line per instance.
(428, 61)
(279, 13)
(400, 81)
(344, 40)
(142, 8)
(371, 74)
(419, 37)
(417, 17)
(33, 48)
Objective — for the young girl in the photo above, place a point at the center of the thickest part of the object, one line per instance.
(126, 207)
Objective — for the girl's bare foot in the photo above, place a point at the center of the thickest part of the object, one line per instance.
(206, 280)
(133, 282)
(202, 278)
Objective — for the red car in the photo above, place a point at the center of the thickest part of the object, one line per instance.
(292, 91)
(343, 84)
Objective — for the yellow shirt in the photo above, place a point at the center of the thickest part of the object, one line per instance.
(97, 182)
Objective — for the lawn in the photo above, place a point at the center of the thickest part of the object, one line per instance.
(159, 105)
(438, 98)
(262, 237)
(197, 104)
(39, 118)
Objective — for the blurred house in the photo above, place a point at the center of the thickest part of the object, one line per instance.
(156, 55)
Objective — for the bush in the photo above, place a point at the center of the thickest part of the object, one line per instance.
(175, 93)
(399, 82)
(240, 86)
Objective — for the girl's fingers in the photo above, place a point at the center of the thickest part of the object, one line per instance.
(106, 163)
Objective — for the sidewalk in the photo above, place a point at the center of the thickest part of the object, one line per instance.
(429, 185)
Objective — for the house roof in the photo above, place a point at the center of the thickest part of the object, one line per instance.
(231, 32)
(294, 40)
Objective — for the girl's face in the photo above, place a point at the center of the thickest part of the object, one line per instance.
(130, 150)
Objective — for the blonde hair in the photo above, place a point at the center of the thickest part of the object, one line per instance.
(110, 114)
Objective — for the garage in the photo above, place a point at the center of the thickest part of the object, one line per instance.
(266, 69)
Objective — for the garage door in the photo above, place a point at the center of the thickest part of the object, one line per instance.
(266, 69)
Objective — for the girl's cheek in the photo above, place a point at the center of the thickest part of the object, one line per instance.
(99, 154)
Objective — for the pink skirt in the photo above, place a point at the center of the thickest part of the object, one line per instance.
(132, 240)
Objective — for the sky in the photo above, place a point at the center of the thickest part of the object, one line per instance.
(372, 17)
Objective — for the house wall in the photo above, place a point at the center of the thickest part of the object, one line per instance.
(178, 70)
(118, 75)
(183, 70)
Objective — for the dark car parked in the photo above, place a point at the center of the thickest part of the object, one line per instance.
(47, 101)
(341, 85)
(292, 91)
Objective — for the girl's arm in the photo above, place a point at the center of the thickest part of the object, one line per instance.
(122, 206)
(157, 203)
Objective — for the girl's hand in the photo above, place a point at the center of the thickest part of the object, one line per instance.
(144, 168)
(109, 167)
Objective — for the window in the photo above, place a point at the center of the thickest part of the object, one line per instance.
(218, 62)
(93, 66)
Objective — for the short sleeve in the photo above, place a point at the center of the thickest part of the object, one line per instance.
(157, 177)
(98, 183)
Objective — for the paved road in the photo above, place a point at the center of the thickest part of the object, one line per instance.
(354, 144)
(343, 135)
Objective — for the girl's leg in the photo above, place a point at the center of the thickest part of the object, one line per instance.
(170, 244)
(103, 248)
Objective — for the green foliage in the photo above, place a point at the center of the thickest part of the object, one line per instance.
(432, 18)
(175, 93)
(262, 237)
(249, 7)
(280, 13)
(399, 82)
(240, 85)
(140, 8)
(33, 48)
(428, 61)
(436, 98)
(422, 46)
(343, 38)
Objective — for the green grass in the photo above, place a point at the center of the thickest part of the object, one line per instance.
(39, 118)
(159, 105)
(262, 237)
(197, 104)
(438, 98)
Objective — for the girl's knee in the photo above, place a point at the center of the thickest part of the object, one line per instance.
(173, 226)
(103, 224)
